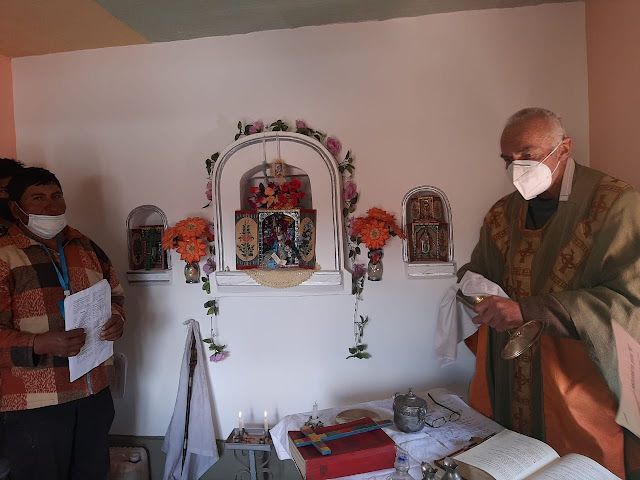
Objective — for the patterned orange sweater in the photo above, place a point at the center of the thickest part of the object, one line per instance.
(29, 296)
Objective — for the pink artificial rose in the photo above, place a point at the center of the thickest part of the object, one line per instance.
(210, 266)
(352, 232)
(359, 270)
(300, 124)
(209, 190)
(350, 190)
(218, 357)
(256, 127)
(334, 145)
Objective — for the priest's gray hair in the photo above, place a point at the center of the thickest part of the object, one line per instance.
(557, 129)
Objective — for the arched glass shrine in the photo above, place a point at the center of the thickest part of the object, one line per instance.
(278, 157)
(148, 262)
(426, 221)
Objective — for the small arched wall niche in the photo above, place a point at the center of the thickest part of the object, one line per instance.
(148, 262)
(248, 162)
(427, 223)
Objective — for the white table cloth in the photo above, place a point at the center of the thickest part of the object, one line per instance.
(427, 445)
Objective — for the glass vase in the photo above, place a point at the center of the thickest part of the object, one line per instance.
(192, 272)
(374, 269)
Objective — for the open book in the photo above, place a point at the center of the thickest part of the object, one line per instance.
(509, 455)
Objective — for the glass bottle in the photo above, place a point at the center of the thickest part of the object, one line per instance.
(401, 465)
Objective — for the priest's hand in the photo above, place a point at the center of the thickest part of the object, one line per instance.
(499, 313)
(112, 330)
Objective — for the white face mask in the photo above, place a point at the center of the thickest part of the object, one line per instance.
(45, 226)
(531, 177)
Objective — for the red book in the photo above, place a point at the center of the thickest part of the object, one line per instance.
(361, 453)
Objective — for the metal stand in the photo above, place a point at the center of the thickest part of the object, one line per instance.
(245, 443)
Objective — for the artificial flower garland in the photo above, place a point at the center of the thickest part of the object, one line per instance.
(374, 231)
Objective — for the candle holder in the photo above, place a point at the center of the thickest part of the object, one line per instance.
(246, 443)
(313, 422)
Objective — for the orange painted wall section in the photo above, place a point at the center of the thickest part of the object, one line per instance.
(7, 123)
(613, 61)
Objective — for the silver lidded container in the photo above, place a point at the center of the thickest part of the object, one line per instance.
(409, 412)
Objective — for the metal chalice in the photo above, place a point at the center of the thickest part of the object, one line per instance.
(520, 339)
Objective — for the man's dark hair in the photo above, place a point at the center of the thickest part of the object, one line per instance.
(9, 167)
(28, 177)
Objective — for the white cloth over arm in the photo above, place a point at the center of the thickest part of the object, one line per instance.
(202, 452)
(454, 318)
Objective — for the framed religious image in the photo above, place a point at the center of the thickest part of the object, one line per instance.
(136, 258)
(428, 241)
(247, 251)
(277, 169)
(146, 252)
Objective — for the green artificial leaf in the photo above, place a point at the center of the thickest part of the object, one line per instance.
(239, 125)
(348, 155)
(361, 347)
(345, 211)
(246, 129)
(207, 162)
(214, 157)
(353, 350)
(237, 136)
(352, 208)
(207, 340)
(341, 168)
(354, 200)
(357, 250)
(364, 355)
(210, 311)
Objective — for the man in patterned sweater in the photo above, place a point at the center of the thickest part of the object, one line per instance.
(50, 428)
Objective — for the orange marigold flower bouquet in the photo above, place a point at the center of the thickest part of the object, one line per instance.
(375, 229)
(190, 238)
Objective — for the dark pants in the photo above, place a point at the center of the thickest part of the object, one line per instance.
(60, 442)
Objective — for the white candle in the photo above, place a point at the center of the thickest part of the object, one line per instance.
(240, 419)
(315, 410)
(266, 423)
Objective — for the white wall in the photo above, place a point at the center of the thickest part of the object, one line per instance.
(419, 101)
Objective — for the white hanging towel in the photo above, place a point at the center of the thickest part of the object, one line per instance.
(454, 318)
(201, 445)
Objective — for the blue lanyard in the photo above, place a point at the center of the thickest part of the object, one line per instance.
(63, 276)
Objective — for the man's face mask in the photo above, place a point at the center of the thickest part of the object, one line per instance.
(45, 226)
(531, 177)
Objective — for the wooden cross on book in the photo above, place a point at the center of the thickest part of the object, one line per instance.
(318, 439)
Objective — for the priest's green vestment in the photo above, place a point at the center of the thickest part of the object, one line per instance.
(587, 256)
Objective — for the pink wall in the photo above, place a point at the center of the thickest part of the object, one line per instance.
(613, 39)
(7, 124)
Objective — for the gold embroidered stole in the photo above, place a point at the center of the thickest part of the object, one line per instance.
(518, 266)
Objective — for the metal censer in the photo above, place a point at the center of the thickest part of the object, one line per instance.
(409, 412)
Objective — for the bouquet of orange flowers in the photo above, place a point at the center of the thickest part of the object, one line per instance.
(189, 238)
(374, 229)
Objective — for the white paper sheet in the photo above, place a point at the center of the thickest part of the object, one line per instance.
(629, 371)
(89, 309)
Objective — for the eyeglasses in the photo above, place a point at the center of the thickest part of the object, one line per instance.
(440, 421)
